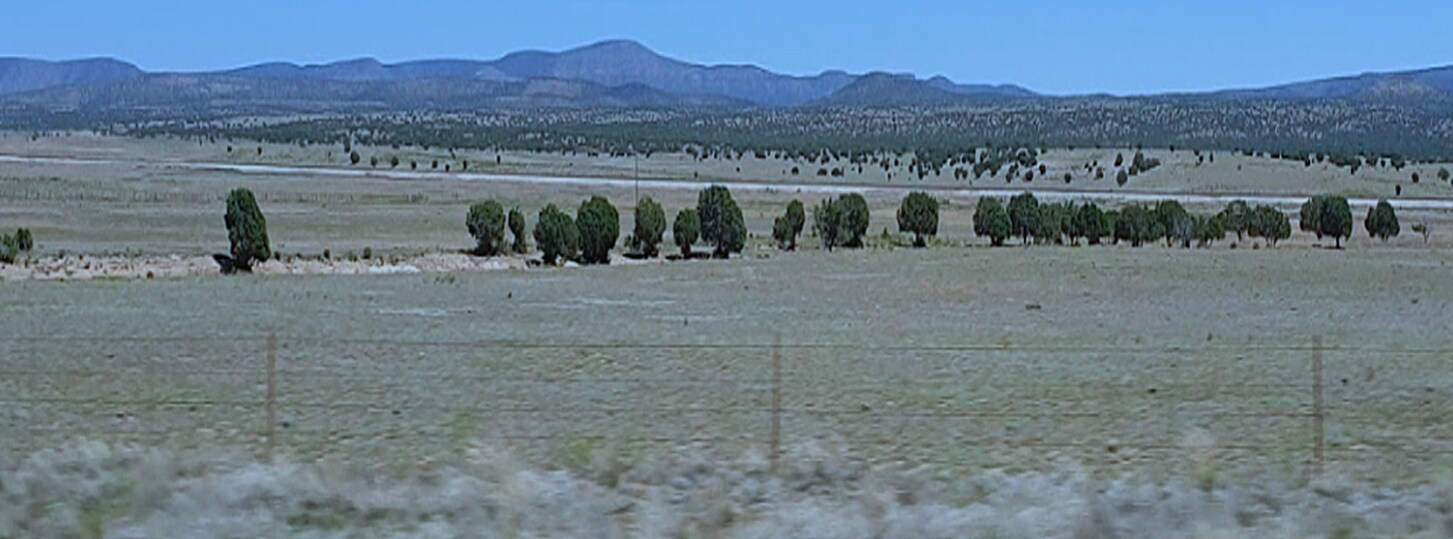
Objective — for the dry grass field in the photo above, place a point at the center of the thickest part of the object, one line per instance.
(1068, 368)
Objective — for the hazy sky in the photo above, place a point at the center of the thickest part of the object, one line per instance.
(1055, 46)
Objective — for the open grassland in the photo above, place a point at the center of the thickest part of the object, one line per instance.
(1145, 392)
(1182, 171)
(1112, 360)
(133, 196)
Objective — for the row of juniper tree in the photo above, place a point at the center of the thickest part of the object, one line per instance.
(1026, 218)
(589, 236)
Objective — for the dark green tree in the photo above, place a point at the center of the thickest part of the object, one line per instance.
(1175, 223)
(1088, 223)
(686, 230)
(1330, 216)
(1236, 217)
(24, 241)
(650, 227)
(486, 222)
(1024, 216)
(246, 230)
(1382, 221)
(556, 235)
(1054, 223)
(1270, 223)
(600, 227)
(722, 224)
(918, 215)
(992, 221)
(1136, 225)
(517, 229)
(1207, 229)
(782, 233)
(841, 222)
(9, 249)
(1310, 215)
(786, 228)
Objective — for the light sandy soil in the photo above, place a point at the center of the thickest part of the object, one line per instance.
(83, 268)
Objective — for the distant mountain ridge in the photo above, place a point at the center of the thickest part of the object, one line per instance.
(609, 73)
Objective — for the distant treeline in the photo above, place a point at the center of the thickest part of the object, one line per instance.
(1289, 128)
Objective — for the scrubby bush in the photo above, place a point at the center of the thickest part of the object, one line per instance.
(650, 226)
(246, 230)
(991, 221)
(841, 222)
(686, 230)
(486, 222)
(517, 229)
(1382, 221)
(722, 224)
(918, 215)
(556, 235)
(600, 227)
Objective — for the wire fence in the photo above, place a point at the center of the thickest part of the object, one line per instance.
(1298, 407)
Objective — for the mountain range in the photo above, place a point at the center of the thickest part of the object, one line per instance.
(615, 73)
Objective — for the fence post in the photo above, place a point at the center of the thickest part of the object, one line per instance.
(776, 441)
(1318, 457)
(271, 390)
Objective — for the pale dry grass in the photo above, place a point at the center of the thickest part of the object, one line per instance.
(95, 490)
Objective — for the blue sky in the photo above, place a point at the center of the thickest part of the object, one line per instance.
(1055, 46)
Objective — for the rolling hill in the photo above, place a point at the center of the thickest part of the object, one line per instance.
(616, 73)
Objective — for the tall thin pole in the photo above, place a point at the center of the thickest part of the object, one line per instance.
(271, 390)
(1317, 402)
(776, 402)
